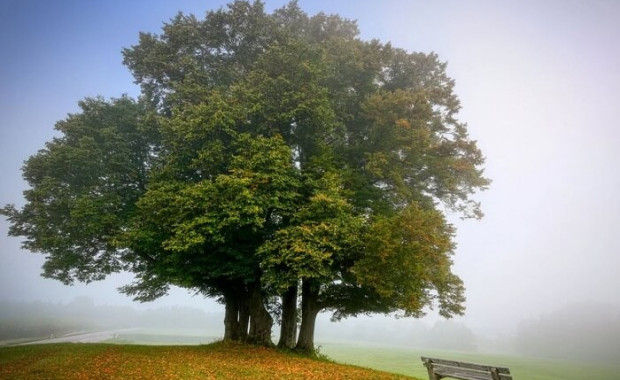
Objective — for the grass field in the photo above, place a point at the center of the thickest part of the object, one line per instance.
(407, 361)
(214, 361)
(133, 356)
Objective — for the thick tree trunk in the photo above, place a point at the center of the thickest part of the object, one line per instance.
(288, 329)
(244, 318)
(309, 310)
(260, 320)
(231, 322)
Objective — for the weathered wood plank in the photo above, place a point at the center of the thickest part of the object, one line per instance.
(461, 373)
(466, 365)
(440, 368)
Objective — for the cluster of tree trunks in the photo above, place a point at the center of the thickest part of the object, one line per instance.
(248, 320)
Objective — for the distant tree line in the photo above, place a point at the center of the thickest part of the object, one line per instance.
(442, 335)
(21, 320)
(586, 332)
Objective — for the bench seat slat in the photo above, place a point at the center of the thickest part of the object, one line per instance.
(467, 365)
(461, 373)
(464, 371)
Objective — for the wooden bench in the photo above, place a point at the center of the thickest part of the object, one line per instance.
(439, 368)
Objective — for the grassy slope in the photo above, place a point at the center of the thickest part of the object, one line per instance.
(407, 361)
(214, 361)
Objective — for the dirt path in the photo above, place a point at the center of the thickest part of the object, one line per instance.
(91, 337)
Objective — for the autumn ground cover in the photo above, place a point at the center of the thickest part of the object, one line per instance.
(406, 360)
(213, 361)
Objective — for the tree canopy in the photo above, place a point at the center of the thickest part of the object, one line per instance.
(267, 153)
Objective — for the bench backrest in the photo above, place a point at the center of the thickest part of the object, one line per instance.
(439, 368)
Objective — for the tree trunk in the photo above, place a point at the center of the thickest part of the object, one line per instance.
(260, 320)
(288, 329)
(231, 322)
(244, 317)
(309, 310)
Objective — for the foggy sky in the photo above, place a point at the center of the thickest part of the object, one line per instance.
(538, 83)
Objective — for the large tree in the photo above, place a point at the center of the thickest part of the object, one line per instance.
(268, 153)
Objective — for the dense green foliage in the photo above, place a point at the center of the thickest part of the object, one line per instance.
(268, 152)
(84, 187)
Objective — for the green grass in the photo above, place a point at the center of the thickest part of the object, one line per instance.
(185, 362)
(214, 361)
(161, 339)
(407, 361)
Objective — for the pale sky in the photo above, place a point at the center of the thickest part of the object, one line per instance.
(538, 82)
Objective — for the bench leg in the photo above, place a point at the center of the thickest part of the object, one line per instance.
(494, 373)
(431, 373)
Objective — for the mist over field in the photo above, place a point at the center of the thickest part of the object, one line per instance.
(588, 333)
(41, 320)
(537, 81)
